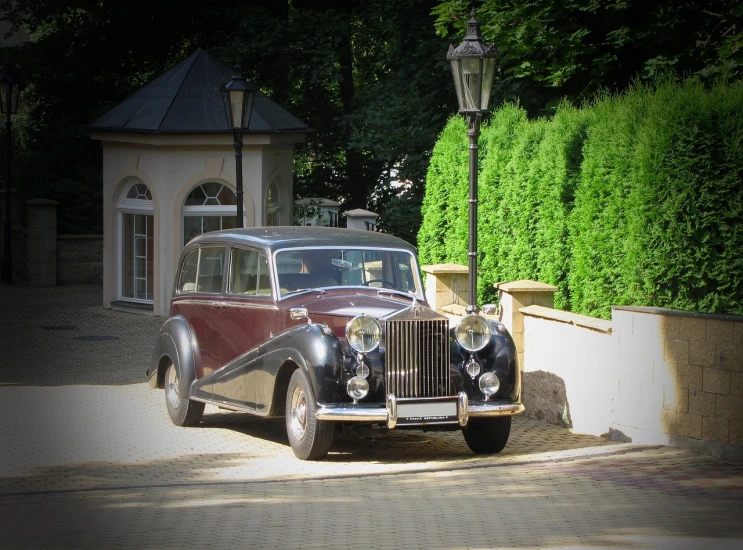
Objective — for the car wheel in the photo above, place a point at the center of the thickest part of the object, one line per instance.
(310, 438)
(182, 411)
(487, 435)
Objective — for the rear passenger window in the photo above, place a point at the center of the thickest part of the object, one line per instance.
(187, 281)
(211, 268)
(249, 273)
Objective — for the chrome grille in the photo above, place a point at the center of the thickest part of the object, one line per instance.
(417, 358)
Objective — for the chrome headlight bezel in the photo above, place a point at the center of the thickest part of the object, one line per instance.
(363, 323)
(469, 325)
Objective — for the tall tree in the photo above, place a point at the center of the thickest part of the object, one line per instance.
(572, 48)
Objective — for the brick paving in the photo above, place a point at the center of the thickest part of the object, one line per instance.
(90, 459)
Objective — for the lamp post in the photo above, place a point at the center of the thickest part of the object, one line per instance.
(473, 68)
(239, 96)
(9, 96)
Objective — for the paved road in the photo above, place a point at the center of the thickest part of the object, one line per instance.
(89, 459)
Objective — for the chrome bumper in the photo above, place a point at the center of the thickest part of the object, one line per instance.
(349, 412)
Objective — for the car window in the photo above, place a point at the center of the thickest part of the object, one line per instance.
(249, 273)
(211, 267)
(321, 268)
(187, 280)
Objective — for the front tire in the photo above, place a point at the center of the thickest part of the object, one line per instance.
(309, 437)
(487, 435)
(182, 411)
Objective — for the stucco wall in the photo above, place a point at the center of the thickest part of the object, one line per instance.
(79, 259)
(171, 167)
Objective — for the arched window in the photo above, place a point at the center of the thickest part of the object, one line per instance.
(209, 206)
(273, 205)
(137, 223)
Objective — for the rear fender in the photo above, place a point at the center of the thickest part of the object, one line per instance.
(174, 344)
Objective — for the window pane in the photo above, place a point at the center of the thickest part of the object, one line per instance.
(196, 197)
(249, 273)
(191, 228)
(227, 196)
(127, 256)
(229, 222)
(211, 265)
(187, 282)
(212, 190)
(212, 223)
(137, 253)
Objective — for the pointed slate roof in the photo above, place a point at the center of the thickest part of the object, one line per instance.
(186, 99)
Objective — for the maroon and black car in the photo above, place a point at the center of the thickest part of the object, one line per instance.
(321, 326)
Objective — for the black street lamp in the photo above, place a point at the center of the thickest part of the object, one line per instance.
(473, 68)
(9, 96)
(239, 96)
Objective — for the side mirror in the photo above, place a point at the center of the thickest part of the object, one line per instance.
(297, 313)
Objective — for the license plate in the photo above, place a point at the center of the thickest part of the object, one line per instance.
(435, 412)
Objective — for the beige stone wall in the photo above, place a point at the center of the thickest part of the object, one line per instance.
(686, 374)
(79, 259)
(650, 375)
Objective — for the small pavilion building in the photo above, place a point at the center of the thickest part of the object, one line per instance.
(169, 175)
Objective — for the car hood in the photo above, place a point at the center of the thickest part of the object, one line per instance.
(350, 303)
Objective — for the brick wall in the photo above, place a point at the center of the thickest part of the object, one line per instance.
(79, 259)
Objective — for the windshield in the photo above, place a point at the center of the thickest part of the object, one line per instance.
(304, 269)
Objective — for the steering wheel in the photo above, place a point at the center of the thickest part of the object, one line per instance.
(383, 281)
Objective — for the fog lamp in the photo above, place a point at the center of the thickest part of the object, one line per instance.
(489, 383)
(357, 388)
(362, 370)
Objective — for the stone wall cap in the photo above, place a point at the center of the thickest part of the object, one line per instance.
(568, 317)
(42, 202)
(679, 313)
(525, 285)
(445, 268)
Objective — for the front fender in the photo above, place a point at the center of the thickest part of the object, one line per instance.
(174, 344)
(312, 347)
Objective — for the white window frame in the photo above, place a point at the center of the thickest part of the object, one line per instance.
(137, 207)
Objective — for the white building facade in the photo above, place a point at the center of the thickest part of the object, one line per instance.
(169, 173)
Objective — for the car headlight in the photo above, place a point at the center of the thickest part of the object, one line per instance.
(363, 333)
(473, 332)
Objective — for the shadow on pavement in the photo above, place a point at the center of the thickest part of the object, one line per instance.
(58, 336)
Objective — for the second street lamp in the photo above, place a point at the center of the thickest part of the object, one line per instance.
(240, 96)
(9, 97)
(473, 68)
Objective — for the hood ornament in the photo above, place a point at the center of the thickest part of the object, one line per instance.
(415, 307)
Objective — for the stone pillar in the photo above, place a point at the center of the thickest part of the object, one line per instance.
(41, 243)
(515, 295)
(446, 284)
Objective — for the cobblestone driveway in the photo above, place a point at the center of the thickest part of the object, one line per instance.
(89, 458)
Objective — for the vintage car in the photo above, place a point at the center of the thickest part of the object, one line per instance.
(325, 326)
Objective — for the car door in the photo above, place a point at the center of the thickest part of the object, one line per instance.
(199, 301)
(247, 320)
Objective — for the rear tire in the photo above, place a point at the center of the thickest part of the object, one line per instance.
(182, 411)
(309, 437)
(487, 435)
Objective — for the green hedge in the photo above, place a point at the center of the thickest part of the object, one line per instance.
(635, 199)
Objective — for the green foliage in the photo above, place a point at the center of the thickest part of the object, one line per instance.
(573, 48)
(634, 199)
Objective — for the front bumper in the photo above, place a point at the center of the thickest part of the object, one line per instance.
(353, 412)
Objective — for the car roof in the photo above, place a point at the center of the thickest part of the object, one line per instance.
(280, 237)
